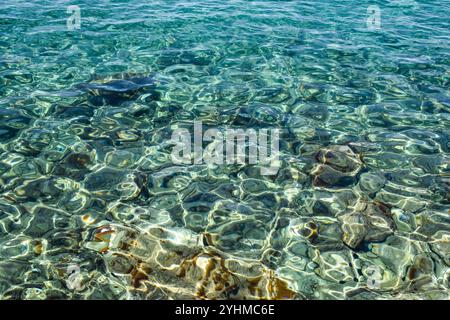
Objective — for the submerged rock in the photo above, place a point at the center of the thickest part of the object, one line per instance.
(316, 111)
(78, 160)
(371, 182)
(340, 158)
(44, 221)
(145, 259)
(259, 114)
(75, 165)
(43, 189)
(337, 166)
(104, 179)
(7, 133)
(325, 176)
(354, 229)
(78, 113)
(116, 91)
(14, 118)
(11, 122)
(370, 222)
(421, 271)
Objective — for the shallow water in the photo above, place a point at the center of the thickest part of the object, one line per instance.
(92, 207)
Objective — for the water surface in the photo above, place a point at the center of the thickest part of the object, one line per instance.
(92, 207)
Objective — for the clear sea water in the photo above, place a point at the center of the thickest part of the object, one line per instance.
(92, 207)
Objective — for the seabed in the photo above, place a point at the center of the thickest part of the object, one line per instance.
(92, 205)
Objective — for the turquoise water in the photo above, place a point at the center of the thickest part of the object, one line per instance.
(92, 207)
